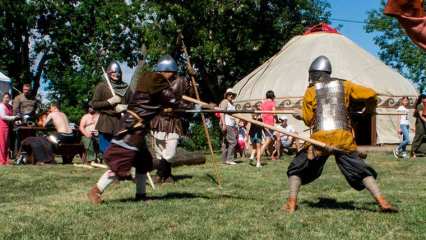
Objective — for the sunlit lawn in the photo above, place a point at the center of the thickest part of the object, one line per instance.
(49, 202)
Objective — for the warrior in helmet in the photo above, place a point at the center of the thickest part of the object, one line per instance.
(153, 94)
(325, 108)
(110, 106)
(167, 127)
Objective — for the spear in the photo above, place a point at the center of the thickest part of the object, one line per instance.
(203, 119)
(260, 112)
(250, 120)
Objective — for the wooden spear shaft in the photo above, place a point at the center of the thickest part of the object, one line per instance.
(229, 111)
(248, 119)
(203, 119)
(258, 111)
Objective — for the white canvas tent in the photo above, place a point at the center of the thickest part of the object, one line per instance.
(286, 73)
(5, 84)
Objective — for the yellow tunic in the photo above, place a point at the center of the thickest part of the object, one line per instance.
(339, 138)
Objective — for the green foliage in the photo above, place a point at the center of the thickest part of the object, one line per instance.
(197, 138)
(71, 40)
(49, 202)
(396, 49)
(227, 39)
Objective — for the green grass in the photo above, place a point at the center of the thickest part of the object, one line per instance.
(49, 202)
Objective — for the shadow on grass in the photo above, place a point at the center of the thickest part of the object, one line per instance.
(330, 203)
(168, 196)
(181, 195)
(178, 178)
(212, 178)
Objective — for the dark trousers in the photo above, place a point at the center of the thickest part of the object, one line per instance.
(350, 164)
(120, 160)
(418, 136)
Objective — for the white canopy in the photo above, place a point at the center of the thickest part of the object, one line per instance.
(4, 78)
(286, 73)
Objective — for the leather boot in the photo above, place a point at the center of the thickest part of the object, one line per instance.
(94, 195)
(164, 172)
(385, 206)
(290, 206)
(168, 178)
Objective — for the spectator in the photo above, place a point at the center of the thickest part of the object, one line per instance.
(87, 129)
(60, 121)
(242, 138)
(255, 133)
(5, 117)
(284, 142)
(404, 129)
(420, 124)
(25, 103)
(229, 128)
(268, 118)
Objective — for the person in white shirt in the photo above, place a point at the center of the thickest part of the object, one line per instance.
(284, 141)
(404, 129)
(229, 129)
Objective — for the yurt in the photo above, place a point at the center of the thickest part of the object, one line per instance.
(286, 73)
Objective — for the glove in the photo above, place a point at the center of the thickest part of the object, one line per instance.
(114, 100)
(120, 108)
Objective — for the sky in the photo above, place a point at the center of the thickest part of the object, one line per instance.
(355, 10)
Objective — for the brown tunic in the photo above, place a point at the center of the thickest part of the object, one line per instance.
(172, 122)
(23, 104)
(108, 118)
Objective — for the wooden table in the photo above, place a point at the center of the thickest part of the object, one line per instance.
(66, 150)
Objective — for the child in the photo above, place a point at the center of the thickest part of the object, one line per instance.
(255, 133)
(242, 138)
(404, 129)
(268, 118)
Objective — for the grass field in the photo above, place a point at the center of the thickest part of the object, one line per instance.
(49, 202)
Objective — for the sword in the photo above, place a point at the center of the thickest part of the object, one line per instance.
(105, 75)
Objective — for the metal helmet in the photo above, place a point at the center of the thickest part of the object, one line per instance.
(114, 67)
(322, 64)
(166, 64)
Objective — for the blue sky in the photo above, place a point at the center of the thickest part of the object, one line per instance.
(355, 10)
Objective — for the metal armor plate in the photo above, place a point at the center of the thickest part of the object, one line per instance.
(331, 113)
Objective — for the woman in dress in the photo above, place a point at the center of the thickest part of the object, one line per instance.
(5, 118)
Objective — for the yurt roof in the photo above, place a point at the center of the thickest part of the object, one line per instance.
(286, 73)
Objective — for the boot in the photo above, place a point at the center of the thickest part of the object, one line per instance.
(168, 178)
(164, 172)
(94, 195)
(385, 206)
(291, 205)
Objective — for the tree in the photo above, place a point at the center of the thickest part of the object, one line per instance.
(227, 39)
(396, 49)
(17, 19)
(72, 39)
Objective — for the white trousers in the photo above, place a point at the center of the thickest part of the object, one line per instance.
(165, 145)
